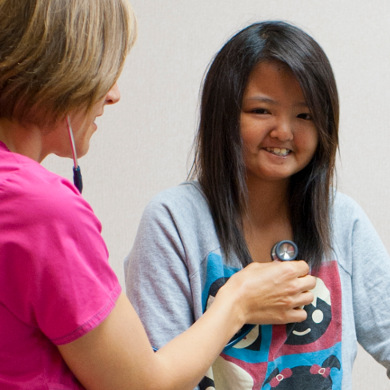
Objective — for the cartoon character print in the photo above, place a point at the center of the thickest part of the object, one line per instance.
(226, 374)
(319, 316)
(302, 356)
(245, 338)
(305, 377)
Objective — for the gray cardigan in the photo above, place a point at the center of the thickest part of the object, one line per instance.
(175, 266)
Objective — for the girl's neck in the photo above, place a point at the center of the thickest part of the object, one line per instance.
(267, 201)
(267, 219)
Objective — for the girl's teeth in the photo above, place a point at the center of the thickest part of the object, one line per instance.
(279, 152)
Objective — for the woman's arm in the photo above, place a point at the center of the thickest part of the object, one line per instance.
(117, 354)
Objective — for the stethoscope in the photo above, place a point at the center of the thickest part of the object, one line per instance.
(77, 179)
(284, 250)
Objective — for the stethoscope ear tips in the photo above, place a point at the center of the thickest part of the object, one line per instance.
(284, 250)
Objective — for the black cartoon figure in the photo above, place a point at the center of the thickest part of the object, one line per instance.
(216, 285)
(319, 316)
(206, 384)
(252, 338)
(305, 377)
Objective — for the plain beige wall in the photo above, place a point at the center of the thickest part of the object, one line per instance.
(143, 143)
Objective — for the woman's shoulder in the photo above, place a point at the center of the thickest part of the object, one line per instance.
(29, 188)
(47, 215)
(22, 174)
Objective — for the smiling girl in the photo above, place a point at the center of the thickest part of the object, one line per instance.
(264, 167)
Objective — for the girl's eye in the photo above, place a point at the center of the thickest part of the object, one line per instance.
(305, 115)
(260, 111)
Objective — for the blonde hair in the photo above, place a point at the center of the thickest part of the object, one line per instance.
(60, 55)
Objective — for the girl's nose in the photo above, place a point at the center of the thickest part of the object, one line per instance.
(283, 130)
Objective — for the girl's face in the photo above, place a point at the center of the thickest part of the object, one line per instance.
(278, 133)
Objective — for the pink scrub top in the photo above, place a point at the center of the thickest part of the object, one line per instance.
(56, 284)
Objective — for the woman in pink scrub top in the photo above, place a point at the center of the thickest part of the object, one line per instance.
(64, 322)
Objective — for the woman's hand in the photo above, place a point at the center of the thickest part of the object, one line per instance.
(270, 293)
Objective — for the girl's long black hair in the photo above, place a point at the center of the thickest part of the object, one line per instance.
(218, 162)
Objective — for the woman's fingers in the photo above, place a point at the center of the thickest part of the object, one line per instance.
(275, 292)
(308, 282)
(300, 266)
(295, 315)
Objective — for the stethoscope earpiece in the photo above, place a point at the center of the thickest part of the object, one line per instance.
(284, 250)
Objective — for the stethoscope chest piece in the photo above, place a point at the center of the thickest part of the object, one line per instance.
(285, 250)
